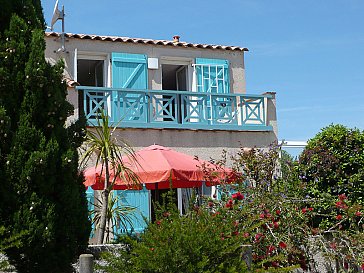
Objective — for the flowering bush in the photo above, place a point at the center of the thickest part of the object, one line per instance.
(258, 210)
(277, 218)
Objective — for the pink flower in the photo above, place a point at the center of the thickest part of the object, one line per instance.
(258, 237)
(339, 217)
(271, 248)
(333, 245)
(358, 213)
(229, 204)
(261, 216)
(342, 197)
(238, 196)
(246, 235)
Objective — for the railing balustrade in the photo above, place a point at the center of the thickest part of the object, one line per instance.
(176, 109)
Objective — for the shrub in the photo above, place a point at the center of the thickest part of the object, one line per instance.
(333, 163)
(196, 242)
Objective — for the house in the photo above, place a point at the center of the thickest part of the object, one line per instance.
(190, 97)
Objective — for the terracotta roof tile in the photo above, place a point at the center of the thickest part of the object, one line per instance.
(145, 41)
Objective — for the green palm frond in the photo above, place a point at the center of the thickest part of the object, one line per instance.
(117, 215)
(100, 144)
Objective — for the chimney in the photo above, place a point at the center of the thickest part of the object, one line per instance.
(176, 38)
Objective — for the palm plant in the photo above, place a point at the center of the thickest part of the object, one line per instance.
(108, 151)
(117, 216)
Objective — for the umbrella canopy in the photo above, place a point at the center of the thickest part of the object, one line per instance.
(158, 167)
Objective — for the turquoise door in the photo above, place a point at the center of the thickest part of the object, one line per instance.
(90, 206)
(139, 219)
(212, 77)
(129, 71)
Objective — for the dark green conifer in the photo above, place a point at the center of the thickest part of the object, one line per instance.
(45, 198)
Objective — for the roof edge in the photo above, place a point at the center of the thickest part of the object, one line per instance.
(145, 41)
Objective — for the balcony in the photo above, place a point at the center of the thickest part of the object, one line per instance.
(176, 109)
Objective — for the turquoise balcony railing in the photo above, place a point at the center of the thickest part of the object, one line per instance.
(176, 109)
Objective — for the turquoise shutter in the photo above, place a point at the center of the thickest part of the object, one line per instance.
(90, 207)
(140, 200)
(212, 76)
(130, 71)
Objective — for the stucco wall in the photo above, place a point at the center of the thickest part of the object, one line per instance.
(235, 58)
(203, 143)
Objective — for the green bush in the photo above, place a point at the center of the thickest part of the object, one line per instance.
(333, 163)
(196, 242)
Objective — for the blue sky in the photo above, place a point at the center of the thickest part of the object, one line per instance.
(310, 52)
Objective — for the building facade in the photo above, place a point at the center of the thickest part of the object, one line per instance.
(190, 97)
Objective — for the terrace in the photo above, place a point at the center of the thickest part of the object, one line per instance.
(131, 108)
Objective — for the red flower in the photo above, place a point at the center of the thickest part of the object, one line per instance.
(261, 216)
(229, 204)
(158, 222)
(362, 266)
(304, 210)
(275, 264)
(271, 248)
(236, 233)
(211, 204)
(152, 249)
(341, 205)
(276, 225)
(246, 235)
(258, 237)
(342, 197)
(238, 196)
(358, 213)
(310, 209)
(339, 217)
(278, 212)
(282, 245)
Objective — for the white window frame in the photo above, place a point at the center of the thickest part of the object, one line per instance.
(180, 61)
(90, 55)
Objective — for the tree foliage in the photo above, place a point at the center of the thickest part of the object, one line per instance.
(333, 163)
(45, 205)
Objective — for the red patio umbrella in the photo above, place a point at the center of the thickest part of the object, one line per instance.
(158, 168)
